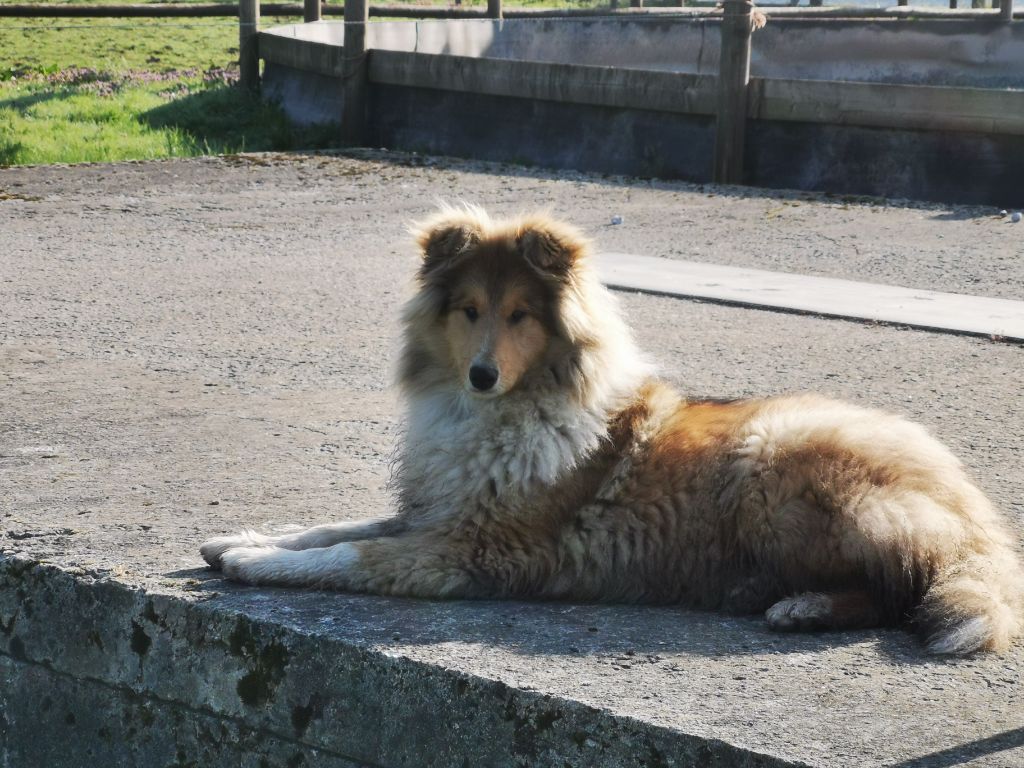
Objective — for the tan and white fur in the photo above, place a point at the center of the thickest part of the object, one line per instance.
(543, 460)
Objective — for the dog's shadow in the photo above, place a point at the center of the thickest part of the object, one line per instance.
(532, 628)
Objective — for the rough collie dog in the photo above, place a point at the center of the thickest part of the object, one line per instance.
(542, 460)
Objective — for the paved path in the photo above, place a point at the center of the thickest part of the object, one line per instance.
(189, 347)
(998, 319)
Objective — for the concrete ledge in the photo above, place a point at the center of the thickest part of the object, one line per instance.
(887, 105)
(279, 677)
(569, 83)
(879, 105)
(315, 57)
(187, 672)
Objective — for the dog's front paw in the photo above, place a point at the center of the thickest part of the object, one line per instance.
(802, 613)
(330, 567)
(213, 549)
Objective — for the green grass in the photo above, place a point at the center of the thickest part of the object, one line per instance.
(46, 125)
(100, 90)
(115, 45)
(180, 118)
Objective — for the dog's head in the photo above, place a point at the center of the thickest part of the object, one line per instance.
(493, 305)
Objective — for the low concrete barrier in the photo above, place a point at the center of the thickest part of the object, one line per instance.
(461, 88)
(130, 676)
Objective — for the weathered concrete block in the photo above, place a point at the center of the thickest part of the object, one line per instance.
(58, 721)
(124, 657)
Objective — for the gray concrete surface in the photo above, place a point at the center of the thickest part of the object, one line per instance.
(823, 296)
(190, 347)
(976, 53)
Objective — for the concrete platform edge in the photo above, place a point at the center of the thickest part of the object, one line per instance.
(94, 669)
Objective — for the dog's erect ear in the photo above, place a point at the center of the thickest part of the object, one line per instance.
(550, 246)
(448, 235)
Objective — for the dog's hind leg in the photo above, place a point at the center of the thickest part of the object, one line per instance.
(213, 549)
(825, 610)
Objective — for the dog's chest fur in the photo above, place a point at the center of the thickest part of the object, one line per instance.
(464, 455)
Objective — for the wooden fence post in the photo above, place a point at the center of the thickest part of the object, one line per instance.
(248, 49)
(353, 73)
(494, 9)
(733, 80)
(311, 10)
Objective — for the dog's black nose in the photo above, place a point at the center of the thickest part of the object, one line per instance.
(482, 377)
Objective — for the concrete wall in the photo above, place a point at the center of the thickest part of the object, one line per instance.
(546, 133)
(59, 721)
(943, 166)
(960, 167)
(980, 54)
(309, 98)
(932, 51)
(130, 678)
(971, 152)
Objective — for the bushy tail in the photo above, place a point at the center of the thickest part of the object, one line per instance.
(974, 604)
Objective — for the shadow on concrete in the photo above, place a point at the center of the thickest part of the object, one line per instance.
(532, 628)
(964, 753)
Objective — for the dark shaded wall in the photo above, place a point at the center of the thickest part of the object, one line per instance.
(946, 167)
(547, 133)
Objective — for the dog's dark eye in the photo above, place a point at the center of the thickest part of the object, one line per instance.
(516, 316)
(471, 313)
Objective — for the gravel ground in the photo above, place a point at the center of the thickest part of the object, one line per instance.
(960, 249)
